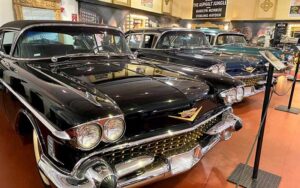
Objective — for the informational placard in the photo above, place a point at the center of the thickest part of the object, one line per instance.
(209, 9)
(271, 58)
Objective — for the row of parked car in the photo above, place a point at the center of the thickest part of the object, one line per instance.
(102, 116)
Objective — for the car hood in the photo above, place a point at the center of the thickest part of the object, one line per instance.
(236, 64)
(130, 87)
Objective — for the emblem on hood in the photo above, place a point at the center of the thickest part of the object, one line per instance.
(188, 115)
(249, 69)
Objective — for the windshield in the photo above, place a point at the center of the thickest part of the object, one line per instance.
(49, 41)
(230, 39)
(182, 39)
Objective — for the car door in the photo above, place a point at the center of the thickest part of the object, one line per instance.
(9, 76)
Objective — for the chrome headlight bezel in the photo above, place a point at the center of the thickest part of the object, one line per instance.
(218, 69)
(232, 95)
(85, 131)
(98, 128)
(105, 128)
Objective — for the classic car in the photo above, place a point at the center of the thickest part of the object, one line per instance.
(235, 42)
(100, 117)
(189, 47)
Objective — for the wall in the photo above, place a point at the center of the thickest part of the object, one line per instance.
(247, 10)
(6, 12)
(182, 9)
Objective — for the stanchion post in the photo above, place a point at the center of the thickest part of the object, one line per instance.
(263, 121)
(294, 82)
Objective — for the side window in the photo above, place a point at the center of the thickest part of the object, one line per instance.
(135, 40)
(149, 40)
(221, 40)
(7, 40)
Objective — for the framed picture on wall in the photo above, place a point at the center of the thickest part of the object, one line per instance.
(167, 6)
(37, 10)
(122, 2)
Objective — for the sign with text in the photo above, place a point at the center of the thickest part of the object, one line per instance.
(209, 9)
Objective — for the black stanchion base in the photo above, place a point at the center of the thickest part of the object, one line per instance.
(264, 179)
(286, 109)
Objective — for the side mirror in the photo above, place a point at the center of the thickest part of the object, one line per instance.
(1, 53)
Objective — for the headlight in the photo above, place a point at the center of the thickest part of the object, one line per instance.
(113, 129)
(88, 136)
(232, 95)
(218, 69)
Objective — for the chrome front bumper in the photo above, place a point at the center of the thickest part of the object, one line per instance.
(251, 90)
(94, 175)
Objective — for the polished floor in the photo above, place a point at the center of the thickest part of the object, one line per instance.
(281, 151)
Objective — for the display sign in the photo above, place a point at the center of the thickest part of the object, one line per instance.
(209, 9)
(280, 29)
(147, 3)
(271, 58)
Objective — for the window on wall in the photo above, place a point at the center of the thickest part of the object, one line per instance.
(135, 40)
(149, 40)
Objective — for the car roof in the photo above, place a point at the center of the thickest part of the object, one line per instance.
(160, 30)
(21, 24)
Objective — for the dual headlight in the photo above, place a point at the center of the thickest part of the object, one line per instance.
(232, 95)
(218, 69)
(88, 136)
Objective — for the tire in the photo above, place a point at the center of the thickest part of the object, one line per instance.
(37, 154)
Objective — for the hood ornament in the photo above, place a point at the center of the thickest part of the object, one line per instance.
(249, 69)
(188, 115)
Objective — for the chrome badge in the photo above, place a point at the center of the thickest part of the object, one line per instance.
(188, 115)
(249, 69)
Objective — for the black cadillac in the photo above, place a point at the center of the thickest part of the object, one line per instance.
(191, 48)
(101, 118)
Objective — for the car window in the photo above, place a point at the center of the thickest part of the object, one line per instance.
(7, 41)
(149, 40)
(230, 39)
(135, 40)
(41, 42)
(182, 39)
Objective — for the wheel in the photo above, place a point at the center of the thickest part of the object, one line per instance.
(37, 153)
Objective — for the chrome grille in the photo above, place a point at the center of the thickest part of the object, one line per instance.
(252, 80)
(166, 147)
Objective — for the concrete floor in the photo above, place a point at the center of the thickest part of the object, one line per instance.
(281, 151)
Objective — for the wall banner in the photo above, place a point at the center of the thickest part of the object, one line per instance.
(209, 9)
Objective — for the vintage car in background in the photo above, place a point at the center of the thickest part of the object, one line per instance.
(235, 42)
(100, 117)
(187, 47)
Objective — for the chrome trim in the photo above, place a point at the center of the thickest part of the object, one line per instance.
(59, 134)
(250, 76)
(228, 122)
(135, 143)
(97, 175)
(255, 91)
(127, 167)
(162, 169)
